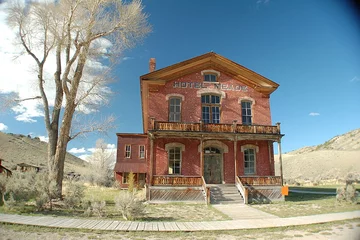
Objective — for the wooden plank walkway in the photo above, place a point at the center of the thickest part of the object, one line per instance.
(113, 225)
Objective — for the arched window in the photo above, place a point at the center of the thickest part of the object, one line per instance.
(175, 109)
(210, 105)
(211, 150)
(246, 112)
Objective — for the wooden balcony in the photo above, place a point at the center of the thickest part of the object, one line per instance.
(168, 180)
(261, 180)
(214, 128)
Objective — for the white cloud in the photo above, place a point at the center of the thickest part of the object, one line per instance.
(18, 74)
(111, 146)
(44, 138)
(262, 2)
(355, 79)
(3, 127)
(77, 150)
(313, 114)
(92, 150)
(127, 58)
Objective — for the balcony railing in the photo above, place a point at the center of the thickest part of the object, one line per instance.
(166, 180)
(214, 127)
(260, 180)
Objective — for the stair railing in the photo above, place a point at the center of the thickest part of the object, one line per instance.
(242, 189)
(206, 191)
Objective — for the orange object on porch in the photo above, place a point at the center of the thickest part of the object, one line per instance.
(285, 190)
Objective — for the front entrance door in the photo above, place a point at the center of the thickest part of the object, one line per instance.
(212, 166)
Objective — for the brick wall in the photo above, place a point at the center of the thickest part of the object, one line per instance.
(191, 106)
(134, 141)
(191, 158)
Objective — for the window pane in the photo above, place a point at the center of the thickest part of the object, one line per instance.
(174, 160)
(175, 110)
(246, 113)
(249, 161)
(215, 114)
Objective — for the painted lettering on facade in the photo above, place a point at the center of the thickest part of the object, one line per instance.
(220, 86)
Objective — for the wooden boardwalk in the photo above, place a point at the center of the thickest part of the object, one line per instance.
(111, 225)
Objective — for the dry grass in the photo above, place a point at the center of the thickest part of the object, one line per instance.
(183, 212)
(300, 204)
(154, 212)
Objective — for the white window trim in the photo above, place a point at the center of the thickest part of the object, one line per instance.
(124, 180)
(203, 72)
(252, 101)
(250, 146)
(246, 99)
(172, 145)
(181, 102)
(243, 147)
(140, 152)
(126, 151)
(171, 95)
(215, 143)
(206, 91)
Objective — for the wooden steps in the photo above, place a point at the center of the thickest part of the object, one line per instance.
(225, 194)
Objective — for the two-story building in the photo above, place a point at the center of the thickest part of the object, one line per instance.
(207, 131)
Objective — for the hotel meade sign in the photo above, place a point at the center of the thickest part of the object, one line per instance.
(220, 86)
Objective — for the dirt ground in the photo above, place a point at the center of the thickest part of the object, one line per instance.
(342, 231)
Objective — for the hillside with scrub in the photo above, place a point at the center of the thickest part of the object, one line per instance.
(327, 162)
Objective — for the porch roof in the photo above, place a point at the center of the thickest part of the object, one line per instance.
(130, 167)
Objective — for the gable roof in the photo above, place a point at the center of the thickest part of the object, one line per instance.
(213, 61)
(206, 61)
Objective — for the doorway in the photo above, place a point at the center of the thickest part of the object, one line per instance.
(213, 165)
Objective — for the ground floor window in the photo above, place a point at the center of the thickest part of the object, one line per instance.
(125, 178)
(174, 160)
(249, 161)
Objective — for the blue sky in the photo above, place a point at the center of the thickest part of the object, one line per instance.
(311, 48)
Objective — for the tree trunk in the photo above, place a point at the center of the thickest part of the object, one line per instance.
(63, 139)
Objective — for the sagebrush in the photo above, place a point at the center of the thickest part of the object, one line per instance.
(129, 205)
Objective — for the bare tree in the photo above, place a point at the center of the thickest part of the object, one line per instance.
(74, 32)
(102, 162)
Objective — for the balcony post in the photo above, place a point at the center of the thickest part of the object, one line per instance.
(152, 123)
(235, 157)
(278, 127)
(280, 160)
(234, 126)
(201, 157)
(201, 125)
(151, 158)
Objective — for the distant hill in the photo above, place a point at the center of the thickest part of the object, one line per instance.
(349, 141)
(17, 148)
(328, 161)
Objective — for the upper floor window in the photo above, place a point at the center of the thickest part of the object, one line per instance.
(249, 161)
(210, 77)
(174, 160)
(127, 151)
(210, 105)
(141, 151)
(246, 112)
(175, 109)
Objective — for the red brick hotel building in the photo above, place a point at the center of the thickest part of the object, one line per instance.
(208, 134)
